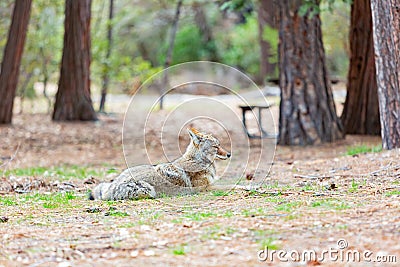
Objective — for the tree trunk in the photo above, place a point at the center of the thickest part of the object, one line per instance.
(200, 19)
(386, 29)
(12, 58)
(266, 18)
(106, 78)
(168, 58)
(73, 100)
(307, 109)
(361, 109)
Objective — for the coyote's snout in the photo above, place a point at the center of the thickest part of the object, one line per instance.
(192, 172)
(222, 153)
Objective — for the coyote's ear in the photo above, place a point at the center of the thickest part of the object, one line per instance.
(193, 135)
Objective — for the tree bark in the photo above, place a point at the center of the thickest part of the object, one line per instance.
(106, 78)
(168, 58)
(73, 100)
(12, 58)
(200, 19)
(361, 109)
(307, 110)
(266, 18)
(386, 29)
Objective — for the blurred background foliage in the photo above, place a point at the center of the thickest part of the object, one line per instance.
(223, 31)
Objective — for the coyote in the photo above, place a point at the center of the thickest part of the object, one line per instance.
(194, 171)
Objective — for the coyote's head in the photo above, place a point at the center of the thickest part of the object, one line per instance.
(207, 146)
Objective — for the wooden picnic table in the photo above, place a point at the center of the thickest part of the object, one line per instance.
(259, 109)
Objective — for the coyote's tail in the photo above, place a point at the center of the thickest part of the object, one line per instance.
(125, 190)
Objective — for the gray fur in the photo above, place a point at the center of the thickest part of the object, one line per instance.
(192, 172)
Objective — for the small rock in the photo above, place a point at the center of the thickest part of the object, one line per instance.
(3, 219)
(134, 253)
(64, 264)
(145, 227)
(160, 243)
(149, 253)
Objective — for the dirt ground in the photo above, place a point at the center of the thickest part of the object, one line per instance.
(314, 198)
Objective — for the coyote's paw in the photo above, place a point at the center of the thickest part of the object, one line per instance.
(145, 190)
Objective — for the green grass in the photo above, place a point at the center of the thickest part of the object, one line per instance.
(112, 211)
(393, 193)
(342, 226)
(8, 201)
(64, 171)
(330, 204)
(198, 216)
(213, 232)
(277, 199)
(117, 213)
(362, 149)
(309, 187)
(180, 250)
(291, 217)
(252, 212)
(266, 239)
(221, 193)
(177, 220)
(50, 201)
(288, 207)
(269, 243)
(127, 225)
(228, 214)
(354, 187)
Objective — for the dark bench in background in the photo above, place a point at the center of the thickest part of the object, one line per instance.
(259, 109)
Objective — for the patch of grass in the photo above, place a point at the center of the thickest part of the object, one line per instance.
(213, 232)
(273, 185)
(116, 213)
(288, 207)
(112, 170)
(362, 149)
(354, 187)
(127, 225)
(51, 201)
(330, 204)
(265, 239)
(221, 193)
(156, 215)
(277, 199)
(198, 216)
(393, 193)
(254, 212)
(291, 217)
(269, 243)
(64, 171)
(116, 244)
(180, 250)
(308, 187)
(111, 203)
(246, 212)
(230, 231)
(8, 201)
(228, 214)
(177, 220)
(342, 226)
